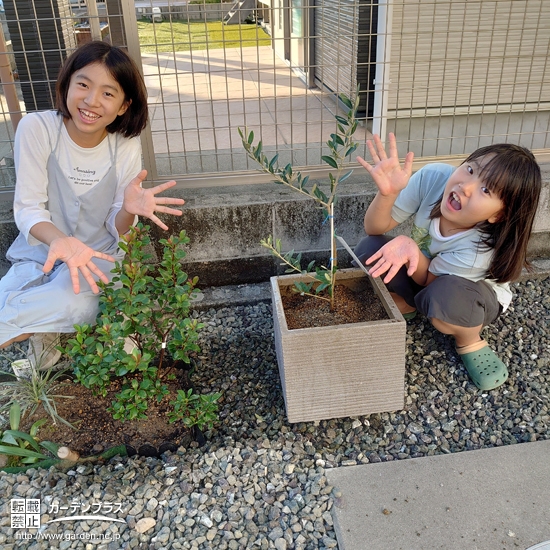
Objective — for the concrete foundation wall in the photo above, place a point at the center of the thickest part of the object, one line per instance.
(226, 224)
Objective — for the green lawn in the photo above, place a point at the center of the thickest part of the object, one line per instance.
(182, 36)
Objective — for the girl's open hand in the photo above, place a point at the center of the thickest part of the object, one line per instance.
(78, 258)
(144, 202)
(387, 173)
(392, 256)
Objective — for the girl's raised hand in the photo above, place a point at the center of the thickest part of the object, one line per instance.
(78, 258)
(387, 173)
(144, 202)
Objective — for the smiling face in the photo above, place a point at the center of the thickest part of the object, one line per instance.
(94, 100)
(467, 200)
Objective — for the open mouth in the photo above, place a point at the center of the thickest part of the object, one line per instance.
(88, 115)
(454, 201)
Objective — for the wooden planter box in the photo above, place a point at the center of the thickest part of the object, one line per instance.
(342, 370)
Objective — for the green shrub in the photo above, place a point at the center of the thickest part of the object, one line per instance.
(148, 307)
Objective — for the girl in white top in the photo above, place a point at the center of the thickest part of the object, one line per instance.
(78, 189)
(471, 226)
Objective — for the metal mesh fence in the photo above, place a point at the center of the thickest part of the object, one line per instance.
(445, 76)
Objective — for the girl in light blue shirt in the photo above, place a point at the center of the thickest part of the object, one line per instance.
(471, 227)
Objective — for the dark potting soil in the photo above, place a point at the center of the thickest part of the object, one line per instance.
(350, 307)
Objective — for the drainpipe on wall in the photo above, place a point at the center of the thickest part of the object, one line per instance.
(310, 43)
(382, 75)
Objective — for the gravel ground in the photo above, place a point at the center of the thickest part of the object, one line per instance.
(260, 482)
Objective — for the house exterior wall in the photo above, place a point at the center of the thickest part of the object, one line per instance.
(336, 53)
(345, 48)
(46, 28)
(474, 55)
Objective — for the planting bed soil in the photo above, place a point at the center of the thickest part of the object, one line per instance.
(97, 431)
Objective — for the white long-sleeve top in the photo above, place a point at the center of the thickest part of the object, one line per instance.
(36, 137)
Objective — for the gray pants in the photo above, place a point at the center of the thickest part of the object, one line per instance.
(449, 298)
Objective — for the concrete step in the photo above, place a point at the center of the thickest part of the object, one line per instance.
(484, 500)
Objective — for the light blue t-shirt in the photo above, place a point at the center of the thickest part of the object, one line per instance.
(459, 254)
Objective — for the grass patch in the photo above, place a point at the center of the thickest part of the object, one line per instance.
(182, 36)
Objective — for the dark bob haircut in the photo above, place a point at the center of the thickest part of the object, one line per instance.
(513, 174)
(123, 69)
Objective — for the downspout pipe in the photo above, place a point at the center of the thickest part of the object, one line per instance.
(382, 74)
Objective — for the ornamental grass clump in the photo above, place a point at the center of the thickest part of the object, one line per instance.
(143, 327)
(41, 391)
(341, 145)
(22, 447)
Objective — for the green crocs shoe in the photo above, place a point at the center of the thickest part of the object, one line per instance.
(486, 370)
(409, 316)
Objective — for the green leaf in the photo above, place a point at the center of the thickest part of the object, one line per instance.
(273, 161)
(17, 451)
(302, 287)
(320, 194)
(50, 446)
(346, 176)
(258, 152)
(330, 161)
(9, 439)
(351, 150)
(337, 139)
(250, 138)
(36, 426)
(15, 415)
(341, 120)
(346, 101)
(146, 384)
(22, 435)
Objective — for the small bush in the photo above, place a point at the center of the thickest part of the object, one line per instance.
(149, 312)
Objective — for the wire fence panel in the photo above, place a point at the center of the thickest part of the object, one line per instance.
(446, 76)
(466, 74)
(207, 78)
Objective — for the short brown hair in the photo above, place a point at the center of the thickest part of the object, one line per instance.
(123, 69)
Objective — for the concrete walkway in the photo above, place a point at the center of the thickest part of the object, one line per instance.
(488, 499)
